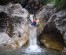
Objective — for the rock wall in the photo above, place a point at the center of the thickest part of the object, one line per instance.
(44, 14)
(53, 32)
(59, 20)
(46, 11)
(14, 19)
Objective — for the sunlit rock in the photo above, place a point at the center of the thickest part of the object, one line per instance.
(46, 11)
(44, 14)
(14, 27)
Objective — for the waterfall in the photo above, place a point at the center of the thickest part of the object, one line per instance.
(33, 47)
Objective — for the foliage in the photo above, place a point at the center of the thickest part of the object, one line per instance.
(60, 4)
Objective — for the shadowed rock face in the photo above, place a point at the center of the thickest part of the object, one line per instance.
(3, 21)
(3, 2)
(59, 19)
(51, 37)
(14, 27)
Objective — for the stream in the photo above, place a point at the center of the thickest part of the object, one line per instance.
(31, 48)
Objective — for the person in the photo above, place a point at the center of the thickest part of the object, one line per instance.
(34, 22)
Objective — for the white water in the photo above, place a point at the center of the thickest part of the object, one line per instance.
(33, 47)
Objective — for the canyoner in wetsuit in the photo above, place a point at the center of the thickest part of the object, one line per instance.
(32, 20)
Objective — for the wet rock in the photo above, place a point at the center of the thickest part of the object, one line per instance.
(14, 19)
(51, 38)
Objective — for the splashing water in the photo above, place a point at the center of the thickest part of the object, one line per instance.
(33, 47)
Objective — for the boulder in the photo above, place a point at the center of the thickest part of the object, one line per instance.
(46, 11)
(51, 38)
(59, 19)
(44, 14)
(14, 26)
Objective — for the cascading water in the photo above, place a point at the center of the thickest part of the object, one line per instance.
(33, 47)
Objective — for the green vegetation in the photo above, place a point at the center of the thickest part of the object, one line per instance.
(59, 4)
